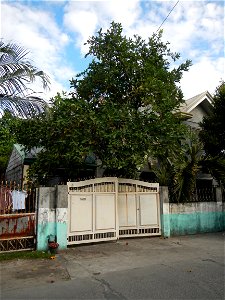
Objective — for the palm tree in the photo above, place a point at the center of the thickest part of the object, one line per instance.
(179, 170)
(187, 166)
(15, 73)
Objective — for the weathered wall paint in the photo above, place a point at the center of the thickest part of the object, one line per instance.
(52, 222)
(62, 215)
(193, 207)
(165, 220)
(52, 216)
(46, 225)
(42, 238)
(165, 225)
(199, 217)
(165, 210)
(191, 218)
(198, 222)
(61, 227)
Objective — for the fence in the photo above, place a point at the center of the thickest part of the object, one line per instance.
(200, 194)
(204, 194)
(17, 217)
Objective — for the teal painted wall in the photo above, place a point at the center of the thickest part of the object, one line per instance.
(52, 220)
(56, 229)
(43, 231)
(192, 223)
(61, 233)
(165, 225)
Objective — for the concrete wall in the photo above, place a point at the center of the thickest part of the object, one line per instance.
(176, 219)
(52, 207)
(191, 218)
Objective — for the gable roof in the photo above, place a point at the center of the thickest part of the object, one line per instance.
(26, 156)
(205, 99)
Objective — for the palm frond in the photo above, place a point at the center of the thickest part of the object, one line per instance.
(16, 72)
(23, 107)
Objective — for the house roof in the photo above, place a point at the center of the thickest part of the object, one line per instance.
(205, 99)
(27, 155)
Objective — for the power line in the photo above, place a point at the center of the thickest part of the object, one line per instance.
(167, 16)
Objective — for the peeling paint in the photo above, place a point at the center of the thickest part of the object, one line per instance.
(52, 221)
(13, 226)
(61, 215)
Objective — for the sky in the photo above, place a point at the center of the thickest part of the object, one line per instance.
(55, 31)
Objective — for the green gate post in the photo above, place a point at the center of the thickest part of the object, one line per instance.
(165, 211)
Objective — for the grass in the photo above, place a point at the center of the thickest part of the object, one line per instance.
(24, 255)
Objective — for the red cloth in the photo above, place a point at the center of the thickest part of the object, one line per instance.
(5, 200)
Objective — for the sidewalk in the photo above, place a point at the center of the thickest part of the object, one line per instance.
(97, 259)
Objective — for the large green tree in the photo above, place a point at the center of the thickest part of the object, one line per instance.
(135, 92)
(122, 107)
(16, 73)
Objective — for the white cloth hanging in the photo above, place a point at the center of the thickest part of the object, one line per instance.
(18, 199)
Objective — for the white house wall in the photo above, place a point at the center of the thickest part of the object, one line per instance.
(197, 116)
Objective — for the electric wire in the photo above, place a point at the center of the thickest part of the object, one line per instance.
(167, 16)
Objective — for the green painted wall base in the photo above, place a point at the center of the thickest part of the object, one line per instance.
(61, 233)
(56, 229)
(165, 225)
(192, 223)
(43, 231)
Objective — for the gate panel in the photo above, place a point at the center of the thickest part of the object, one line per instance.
(127, 210)
(148, 210)
(92, 210)
(80, 206)
(138, 204)
(105, 212)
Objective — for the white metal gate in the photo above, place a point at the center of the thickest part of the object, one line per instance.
(106, 208)
(138, 208)
(92, 211)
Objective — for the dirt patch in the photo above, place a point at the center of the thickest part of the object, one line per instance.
(21, 272)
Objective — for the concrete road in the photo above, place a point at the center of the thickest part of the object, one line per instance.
(189, 267)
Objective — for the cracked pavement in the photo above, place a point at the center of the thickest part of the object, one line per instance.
(186, 267)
